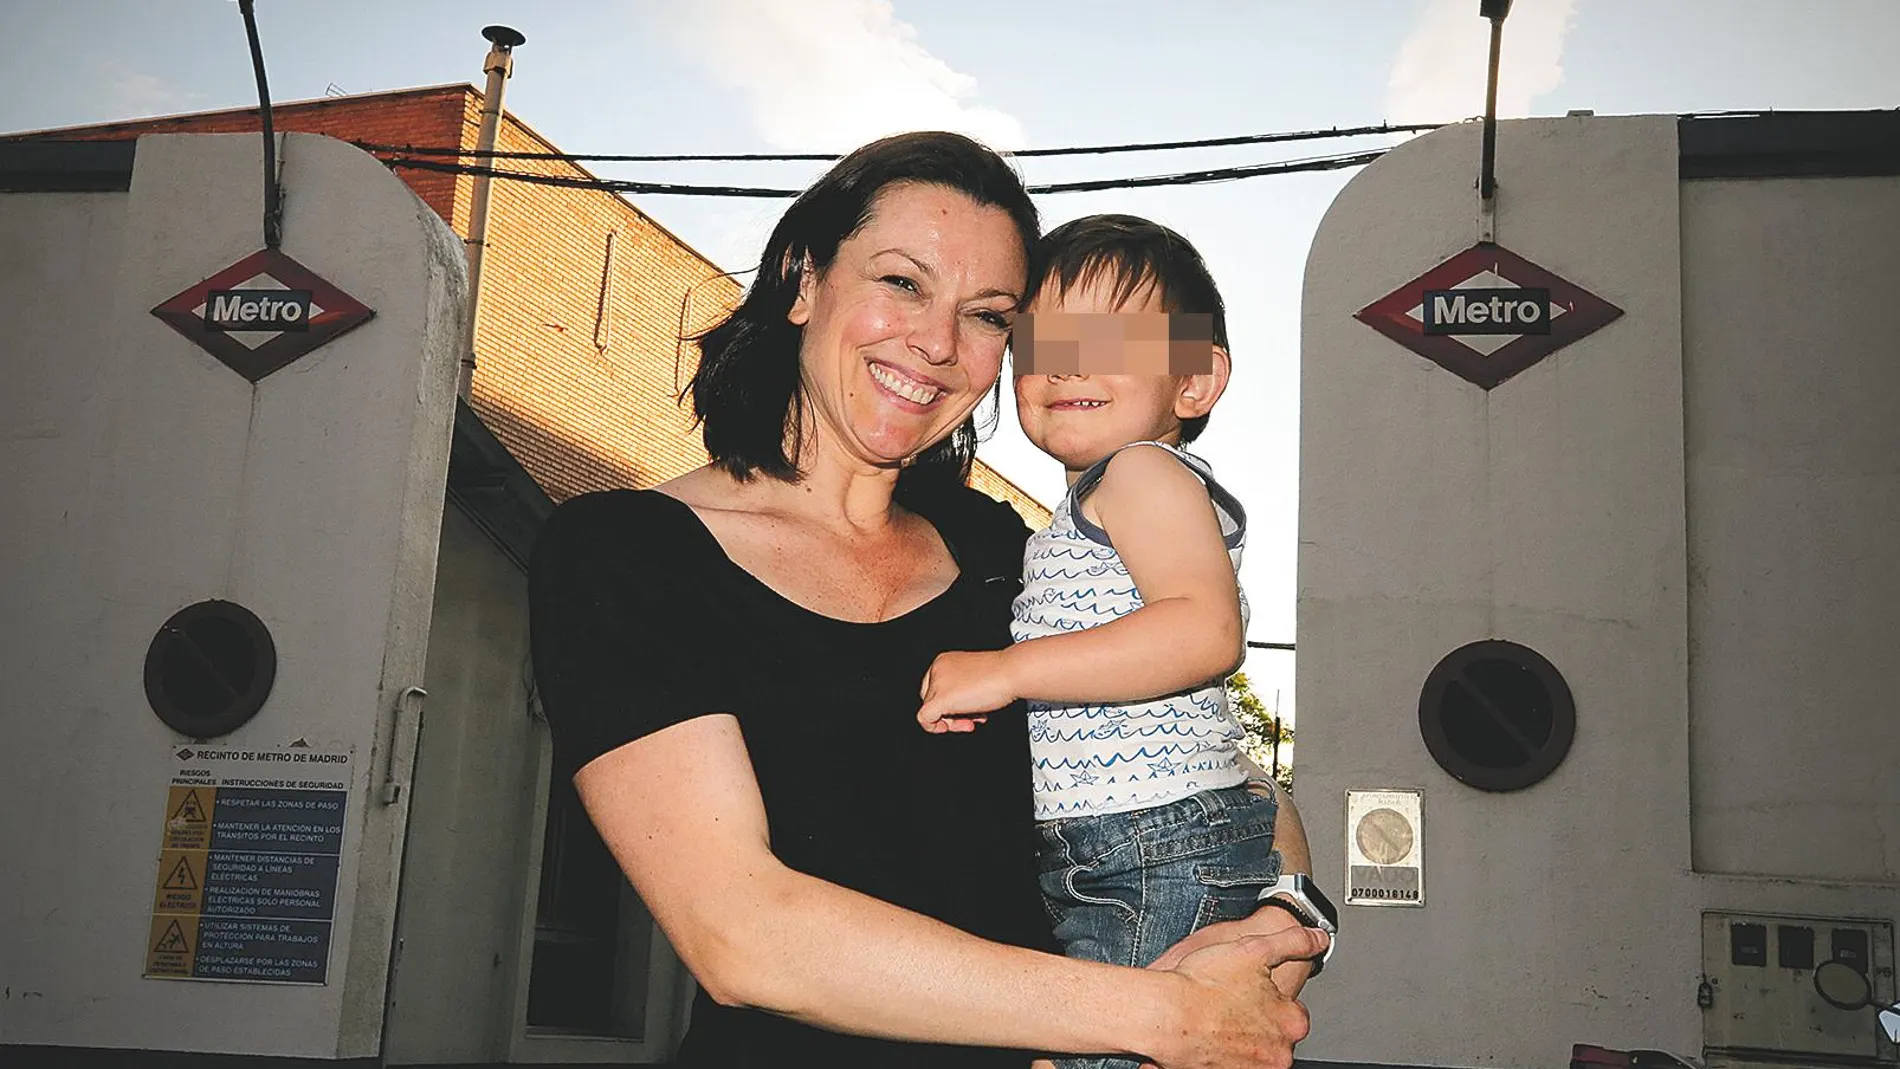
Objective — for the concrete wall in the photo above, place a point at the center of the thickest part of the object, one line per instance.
(141, 476)
(468, 895)
(1793, 424)
(472, 870)
(1551, 511)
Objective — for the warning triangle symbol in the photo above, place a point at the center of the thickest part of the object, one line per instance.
(181, 878)
(190, 811)
(172, 942)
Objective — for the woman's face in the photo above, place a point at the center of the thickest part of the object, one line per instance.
(904, 332)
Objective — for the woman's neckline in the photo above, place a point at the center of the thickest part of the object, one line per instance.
(719, 549)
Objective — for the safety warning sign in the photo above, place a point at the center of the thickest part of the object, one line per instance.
(178, 887)
(245, 885)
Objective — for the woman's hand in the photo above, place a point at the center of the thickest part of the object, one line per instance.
(1243, 1018)
(1289, 977)
(961, 689)
(1248, 1018)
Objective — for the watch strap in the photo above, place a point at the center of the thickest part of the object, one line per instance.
(1286, 895)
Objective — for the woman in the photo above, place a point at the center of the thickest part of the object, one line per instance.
(730, 663)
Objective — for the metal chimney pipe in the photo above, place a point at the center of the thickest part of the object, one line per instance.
(498, 66)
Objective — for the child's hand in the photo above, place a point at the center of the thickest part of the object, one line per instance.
(961, 689)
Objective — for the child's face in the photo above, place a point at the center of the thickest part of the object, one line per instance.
(1092, 377)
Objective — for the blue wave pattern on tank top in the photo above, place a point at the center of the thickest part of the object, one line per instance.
(1112, 758)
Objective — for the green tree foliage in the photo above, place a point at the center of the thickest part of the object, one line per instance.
(1261, 727)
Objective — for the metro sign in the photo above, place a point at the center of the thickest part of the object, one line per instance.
(1486, 314)
(262, 313)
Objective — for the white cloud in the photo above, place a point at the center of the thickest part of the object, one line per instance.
(830, 74)
(133, 94)
(1439, 75)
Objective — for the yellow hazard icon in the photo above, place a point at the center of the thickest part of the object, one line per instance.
(171, 952)
(173, 941)
(188, 817)
(190, 810)
(182, 878)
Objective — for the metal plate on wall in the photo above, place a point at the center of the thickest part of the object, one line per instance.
(1385, 848)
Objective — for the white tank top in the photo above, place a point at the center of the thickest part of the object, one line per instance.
(1114, 758)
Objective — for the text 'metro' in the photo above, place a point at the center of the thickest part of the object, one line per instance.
(228, 310)
(1520, 310)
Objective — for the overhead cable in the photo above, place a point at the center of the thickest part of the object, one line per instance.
(1219, 174)
(612, 185)
(735, 157)
(615, 185)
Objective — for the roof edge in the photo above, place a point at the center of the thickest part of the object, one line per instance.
(463, 88)
(1789, 144)
(66, 166)
(493, 489)
(1011, 483)
(276, 105)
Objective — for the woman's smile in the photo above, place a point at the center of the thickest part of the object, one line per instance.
(907, 388)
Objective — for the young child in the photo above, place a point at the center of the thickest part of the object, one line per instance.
(1131, 616)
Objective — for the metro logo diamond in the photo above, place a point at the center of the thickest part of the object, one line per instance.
(1486, 314)
(262, 313)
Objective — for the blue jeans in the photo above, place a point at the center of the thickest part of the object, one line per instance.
(1123, 887)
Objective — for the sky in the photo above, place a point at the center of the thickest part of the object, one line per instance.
(702, 76)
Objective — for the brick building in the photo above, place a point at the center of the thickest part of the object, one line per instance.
(578, 357)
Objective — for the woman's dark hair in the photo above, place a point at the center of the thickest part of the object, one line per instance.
(746, 392)
(1135, 253)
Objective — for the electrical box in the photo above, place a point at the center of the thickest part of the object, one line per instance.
(1760, 1002)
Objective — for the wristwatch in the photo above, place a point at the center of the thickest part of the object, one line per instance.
(1296, 893)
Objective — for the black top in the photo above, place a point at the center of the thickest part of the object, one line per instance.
(639, 621)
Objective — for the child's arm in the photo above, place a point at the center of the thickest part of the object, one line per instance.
(1187, 631)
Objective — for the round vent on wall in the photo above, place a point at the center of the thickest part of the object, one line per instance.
(209, 669)
(1497, 715)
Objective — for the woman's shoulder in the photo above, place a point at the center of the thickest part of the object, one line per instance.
(966, 506)
(630, 529)
(975, 523)
(608, 507)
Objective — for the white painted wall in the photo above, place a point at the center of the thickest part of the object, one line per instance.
(1551, 511)
(141, 476)
(1792, 359)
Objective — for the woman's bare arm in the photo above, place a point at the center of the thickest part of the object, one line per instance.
(681, 811)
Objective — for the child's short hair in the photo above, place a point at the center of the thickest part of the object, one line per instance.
(1136, 253)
